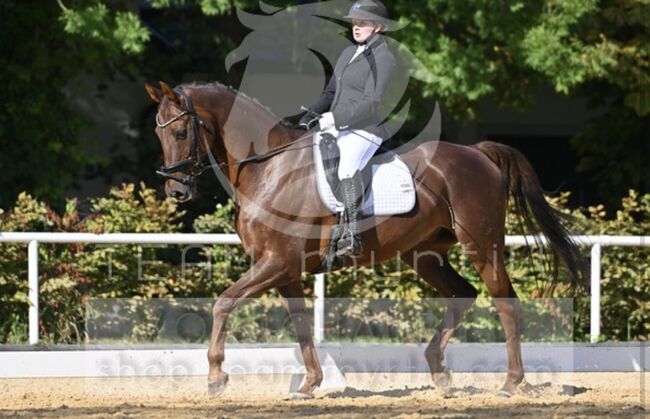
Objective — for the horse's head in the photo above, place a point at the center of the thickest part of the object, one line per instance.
(181, 132)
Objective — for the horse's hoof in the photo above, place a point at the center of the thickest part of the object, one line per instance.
(299, 396)
(504, 394)
(509, 389)
(442, 379)
(217, 387)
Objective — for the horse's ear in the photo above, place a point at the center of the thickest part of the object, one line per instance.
(154, 93)
(171, 95)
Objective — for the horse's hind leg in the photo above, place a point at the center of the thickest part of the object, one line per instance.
(488, 259)
(458, 294)
(294, 294)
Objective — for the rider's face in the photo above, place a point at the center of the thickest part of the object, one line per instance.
(363, 29)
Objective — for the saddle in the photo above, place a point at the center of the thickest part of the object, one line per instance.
(388, 184)
(388, 190)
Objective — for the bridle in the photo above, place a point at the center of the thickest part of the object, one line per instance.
(194, 166)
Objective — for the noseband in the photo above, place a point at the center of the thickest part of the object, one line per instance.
(192, 167)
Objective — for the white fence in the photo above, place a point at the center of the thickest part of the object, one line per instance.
(33, 239)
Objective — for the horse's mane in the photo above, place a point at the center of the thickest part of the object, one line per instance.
(216, 85)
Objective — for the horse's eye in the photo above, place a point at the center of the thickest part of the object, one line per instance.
(181, 135)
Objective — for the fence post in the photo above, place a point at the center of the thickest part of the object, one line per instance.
(319, 308)
(32, 274)
(595, 293)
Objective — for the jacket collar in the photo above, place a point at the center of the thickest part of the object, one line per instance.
(372, 43)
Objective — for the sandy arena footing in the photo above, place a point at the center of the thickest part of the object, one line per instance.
(367, 395)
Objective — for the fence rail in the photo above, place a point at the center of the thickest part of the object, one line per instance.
(596, 243)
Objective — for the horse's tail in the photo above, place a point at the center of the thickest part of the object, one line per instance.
(522, 182)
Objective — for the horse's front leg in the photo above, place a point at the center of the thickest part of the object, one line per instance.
(295, 296)
(264, 275)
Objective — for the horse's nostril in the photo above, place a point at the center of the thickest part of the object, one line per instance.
(180, 195)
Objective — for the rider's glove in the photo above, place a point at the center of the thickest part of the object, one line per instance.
(307, 121)
(326, 121)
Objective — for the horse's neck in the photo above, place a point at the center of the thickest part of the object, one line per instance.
(246, 127)
(249, 130)
(276, 166)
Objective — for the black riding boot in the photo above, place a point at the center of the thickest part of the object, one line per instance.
(352, 193)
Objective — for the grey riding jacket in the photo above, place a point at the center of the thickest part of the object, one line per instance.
(354, 92)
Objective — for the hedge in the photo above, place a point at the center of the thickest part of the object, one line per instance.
(132, 293)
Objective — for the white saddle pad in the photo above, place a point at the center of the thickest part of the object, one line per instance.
(392, 191)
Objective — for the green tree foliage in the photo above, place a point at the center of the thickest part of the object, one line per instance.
(599, 50)
(487, 47)
(113, 30)
(38, 132)
(507, 50)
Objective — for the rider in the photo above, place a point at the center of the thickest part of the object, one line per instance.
(349, 107)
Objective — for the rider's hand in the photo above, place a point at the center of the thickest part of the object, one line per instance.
(307, 122)
(326, 121)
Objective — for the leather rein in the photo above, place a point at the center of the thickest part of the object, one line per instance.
(195, 165)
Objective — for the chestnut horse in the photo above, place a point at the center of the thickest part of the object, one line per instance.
(462, 194)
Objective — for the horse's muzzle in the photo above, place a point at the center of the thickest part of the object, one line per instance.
(180, 192)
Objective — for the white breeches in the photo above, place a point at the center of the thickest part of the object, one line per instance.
(356, 147)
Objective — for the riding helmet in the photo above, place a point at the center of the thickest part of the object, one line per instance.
(372, 10)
